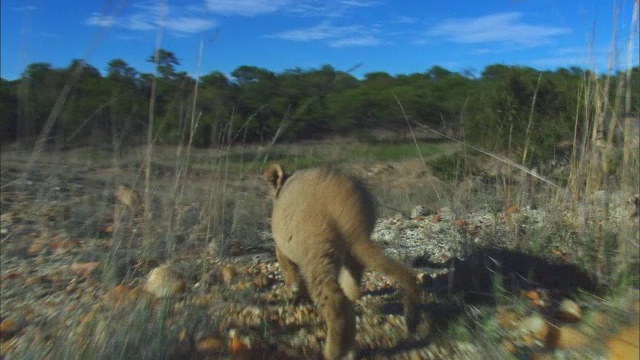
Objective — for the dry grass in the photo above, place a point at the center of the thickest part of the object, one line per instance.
(212, 200)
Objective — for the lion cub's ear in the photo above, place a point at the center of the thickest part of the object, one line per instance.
(274, 176)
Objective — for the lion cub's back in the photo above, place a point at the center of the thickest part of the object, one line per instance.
(313, 199)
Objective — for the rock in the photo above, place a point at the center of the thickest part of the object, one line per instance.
(542, 355)
(513, 209)
(535, 297)
(164, 281)
(8, 327)
(424, 279)
(36, 248)
(536, 326)
(461, 224)
(122, 295)
(62, 246)
(127, 196)
(229, 273)
(211, 343)
(237, 345)
(399, 216)
(6, 346)
(510, 346)
(378, 169)
(84, 269)
(188, 218)
(624, 344)
(565, 337)
(32, 280)
(86, 216)
(418, 211)
(507, 319)
(213, 247)
(205, 299)
(261, 281)
(569, 311)
(634, 203)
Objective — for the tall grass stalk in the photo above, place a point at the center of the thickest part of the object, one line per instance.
(413, 136)
(597, 175)
(492, 155)
(150, 141)
(629, 243)
(182, 164)
(527, 138)
(629, 163)
(152, 107)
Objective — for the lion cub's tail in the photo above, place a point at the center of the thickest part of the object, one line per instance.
(374, 259)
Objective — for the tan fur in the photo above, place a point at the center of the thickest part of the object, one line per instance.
(322, 223)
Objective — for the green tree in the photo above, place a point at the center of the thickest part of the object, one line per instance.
(39, 87)
(127, 104)
(438, 73)
(119, 70)
(520, 109)
(260, 110)
(84, 115)
(215, 106)
(307, 94)
(165, 62)
(8, 110)
(173, 97)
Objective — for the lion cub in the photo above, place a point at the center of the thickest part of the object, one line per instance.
(322, 223)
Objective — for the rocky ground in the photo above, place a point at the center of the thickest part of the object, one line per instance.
(76, 283)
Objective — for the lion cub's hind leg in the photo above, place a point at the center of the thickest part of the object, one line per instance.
(292, 278)
(338, 312)
(288, 268)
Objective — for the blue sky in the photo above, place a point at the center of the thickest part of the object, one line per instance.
(399, 37)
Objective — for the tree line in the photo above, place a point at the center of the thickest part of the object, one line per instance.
(503, 108)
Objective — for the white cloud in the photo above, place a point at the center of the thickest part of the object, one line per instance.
(139, 22)
(49, 35)
(358, 3)
(145, 18)
(355, 41)
(26, 8)
(100, 20)
(583, 57)
(305, 8)
(246, 7)
(128, 37)
(404, 20)
(482, 51)
(322, 31)
(559, 61)
(188, 25)
(330, 8)
(336, 36)
(504, 28)
(188, 19)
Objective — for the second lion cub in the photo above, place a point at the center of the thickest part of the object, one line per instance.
(322, 223)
